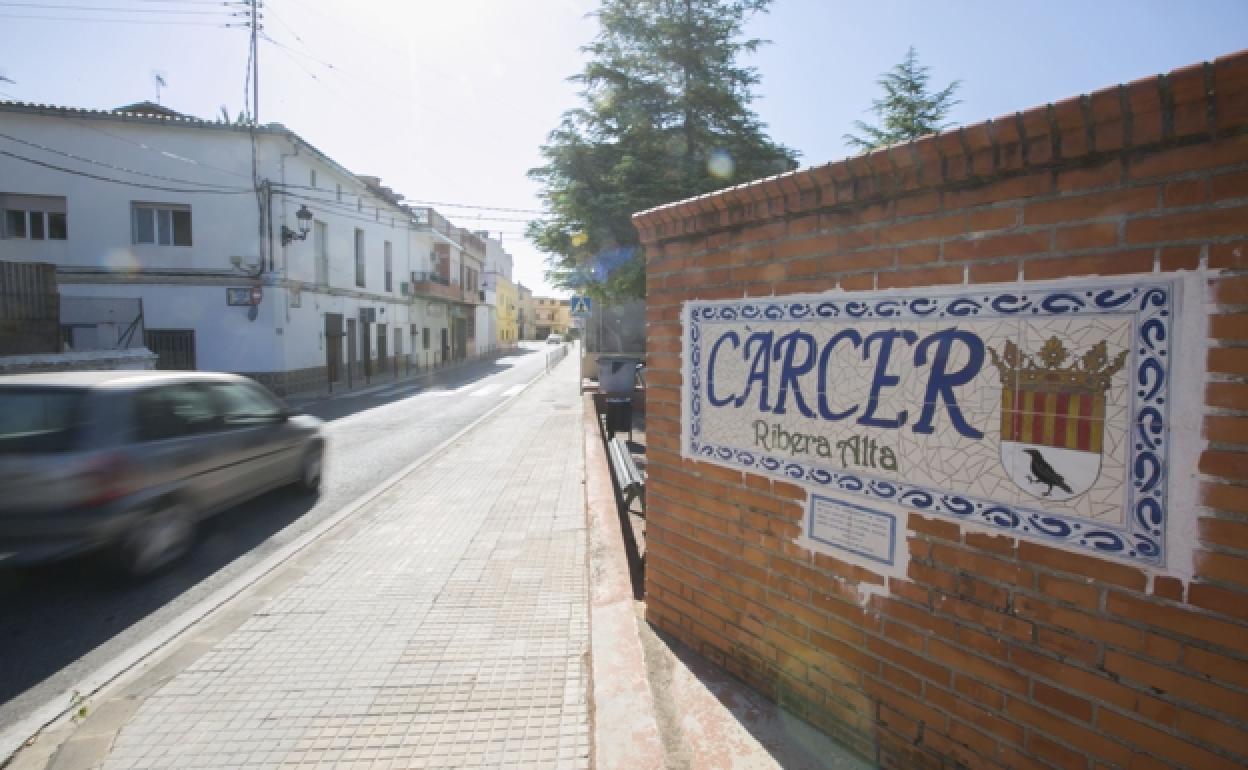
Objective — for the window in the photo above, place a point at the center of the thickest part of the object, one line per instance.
(161, 224)
(320, 248)
(34, 217)
(359, 257)
(242, 404)
(389, 249)
(170, 412)
(338, 193)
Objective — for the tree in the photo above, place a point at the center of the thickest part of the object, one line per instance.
(908, 110)
(665, 115)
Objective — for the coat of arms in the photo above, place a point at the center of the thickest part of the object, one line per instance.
(1053, 416)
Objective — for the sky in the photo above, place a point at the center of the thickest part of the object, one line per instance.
(449, 102)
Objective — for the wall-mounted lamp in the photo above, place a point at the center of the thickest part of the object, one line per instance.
(305, 223)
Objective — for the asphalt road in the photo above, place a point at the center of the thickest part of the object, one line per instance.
(60, 622)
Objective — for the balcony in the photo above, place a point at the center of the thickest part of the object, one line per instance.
(438, 286)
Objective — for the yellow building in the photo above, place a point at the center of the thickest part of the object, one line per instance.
(506, 308)
(551, 316)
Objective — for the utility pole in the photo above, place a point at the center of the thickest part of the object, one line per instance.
(255, 58)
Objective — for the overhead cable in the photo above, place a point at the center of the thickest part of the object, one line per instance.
(98, 177)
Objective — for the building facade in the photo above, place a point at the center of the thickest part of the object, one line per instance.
(297, 272)
(551, 315)
(525, 313)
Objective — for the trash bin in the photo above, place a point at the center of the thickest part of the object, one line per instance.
(617, 375)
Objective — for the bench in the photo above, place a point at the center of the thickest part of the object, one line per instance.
(627, 475)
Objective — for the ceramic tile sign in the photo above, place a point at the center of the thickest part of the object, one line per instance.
(1038, 412)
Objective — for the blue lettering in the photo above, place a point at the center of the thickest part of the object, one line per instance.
(787, 346)
(760, 369)
(882, 379)
(824, 410)
(710, 369)
(940, 383)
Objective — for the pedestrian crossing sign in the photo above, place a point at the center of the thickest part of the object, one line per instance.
(580, 306)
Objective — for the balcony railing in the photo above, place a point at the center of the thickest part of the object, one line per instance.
(430, 277)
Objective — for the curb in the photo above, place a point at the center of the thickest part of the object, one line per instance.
(625, 729)
(16, 737)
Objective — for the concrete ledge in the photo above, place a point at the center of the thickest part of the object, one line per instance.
(625, 728)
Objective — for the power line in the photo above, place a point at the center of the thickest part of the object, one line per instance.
(92, 20)
(108, 165)
(122, 181)
(110, 9)
(163, 153)
(431, 203)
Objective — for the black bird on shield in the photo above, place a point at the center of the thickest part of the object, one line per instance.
(1043, 473)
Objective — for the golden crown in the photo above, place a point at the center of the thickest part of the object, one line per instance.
(1091, 373)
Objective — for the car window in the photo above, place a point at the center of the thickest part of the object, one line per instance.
(40, 420)
(174, 411)
(241, 403)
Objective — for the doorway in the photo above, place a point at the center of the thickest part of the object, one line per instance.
(352, 355)
(333, 348)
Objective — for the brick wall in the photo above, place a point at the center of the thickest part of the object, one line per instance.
(992, 651)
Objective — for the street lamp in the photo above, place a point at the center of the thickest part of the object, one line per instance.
(305, 223)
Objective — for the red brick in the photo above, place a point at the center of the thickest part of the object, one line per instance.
(1084, 594)
(1191, 225)
(1015, 244)
(1225, 532)
(1228, 465)
(918, 205)
(1074, 208)
(935, 276)
(973, 665)
(1230, 603)
(1055, 754)
(1097, 235)
(1157, 742)
(1220, 668)
(1226, 186)
(1227, 151)
(1103, 175)
(1180, 258)
(1229, 256)
(1087, 739)
(983, 566)
(1117, 263)
(994, 272)
(1180, 621)
(1188, 192)
(1224, 497)
(1232, 395)
(918, 254)
(1078, 564)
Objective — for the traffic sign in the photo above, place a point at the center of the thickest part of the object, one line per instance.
(580, 306)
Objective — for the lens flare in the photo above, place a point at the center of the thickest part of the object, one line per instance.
(720, 164)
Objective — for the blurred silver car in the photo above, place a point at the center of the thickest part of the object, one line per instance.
(132, 460)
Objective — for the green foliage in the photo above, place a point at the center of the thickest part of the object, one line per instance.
(665, 115)
(908, 110)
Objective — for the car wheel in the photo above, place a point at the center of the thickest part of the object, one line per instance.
(311, 471)
(159, 539)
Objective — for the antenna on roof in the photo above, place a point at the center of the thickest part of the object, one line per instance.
(159, 79)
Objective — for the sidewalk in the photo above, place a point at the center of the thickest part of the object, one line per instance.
(445, 625)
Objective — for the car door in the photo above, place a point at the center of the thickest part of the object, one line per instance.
(181, 447)
(258, 423)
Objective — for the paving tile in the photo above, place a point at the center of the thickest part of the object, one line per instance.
(448, 631)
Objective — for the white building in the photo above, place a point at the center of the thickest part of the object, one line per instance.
(197, 220)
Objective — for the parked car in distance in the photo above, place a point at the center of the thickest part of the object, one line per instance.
(131, 461)
(554, 339)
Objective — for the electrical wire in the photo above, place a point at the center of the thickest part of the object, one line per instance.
(429, 203)
(109, 9)
(163, 153)
(92, 161)
(92, 20)
(98, 177)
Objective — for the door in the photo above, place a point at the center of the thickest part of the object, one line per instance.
(183, 446)
(398, 347)
(366, 351)
(446, 345)
(333, 347)
(174, 348)
(265, 444)
(382, 358)
(351, 354)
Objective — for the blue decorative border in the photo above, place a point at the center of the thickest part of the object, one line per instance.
(1151, 308)
(892, 529)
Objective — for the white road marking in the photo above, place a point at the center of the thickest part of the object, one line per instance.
(484, 391)
(513, 390)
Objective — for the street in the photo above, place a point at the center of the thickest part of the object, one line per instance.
(60, 622)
